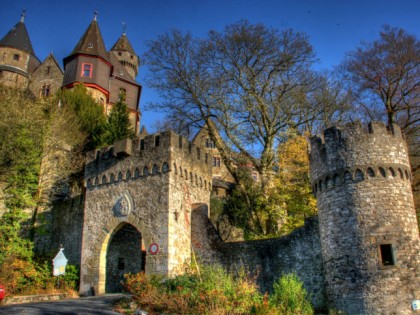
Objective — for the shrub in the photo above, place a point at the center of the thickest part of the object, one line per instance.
(290, 296)
(211, 290)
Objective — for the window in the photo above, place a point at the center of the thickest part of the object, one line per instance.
(142, 144)
(198, 153)
(16, 57)
(209, 143)
(90, 45)
(122, 94)
(121, 263)
(216, 161)
(387, 255)
(86, 70)
(119, 53)
(48, 70)
(45, 90)
(157, 141)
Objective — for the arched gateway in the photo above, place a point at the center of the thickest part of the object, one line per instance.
(140, 222)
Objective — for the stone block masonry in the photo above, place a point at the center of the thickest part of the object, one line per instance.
(368, 228)
(153, 188)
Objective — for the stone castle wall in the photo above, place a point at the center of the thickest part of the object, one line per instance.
(299, 252)
(151, 183)
(361, 177)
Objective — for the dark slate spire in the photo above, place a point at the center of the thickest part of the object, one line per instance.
(91, 42)
(123, 44)
(18, 37)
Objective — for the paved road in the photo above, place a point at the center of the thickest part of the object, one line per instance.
(97, 305)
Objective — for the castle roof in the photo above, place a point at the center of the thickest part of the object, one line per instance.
(92, 43)
(18, 37)
(123, 44)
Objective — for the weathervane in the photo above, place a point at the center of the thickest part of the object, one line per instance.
(22, 16)
(124, 26)
(95, 14)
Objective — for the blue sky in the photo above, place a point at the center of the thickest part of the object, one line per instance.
(334, 26)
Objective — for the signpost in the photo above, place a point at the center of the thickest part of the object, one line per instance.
(59, 264)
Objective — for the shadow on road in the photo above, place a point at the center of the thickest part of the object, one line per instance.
(97, 305)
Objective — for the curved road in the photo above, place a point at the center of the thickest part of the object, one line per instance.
(98, 305)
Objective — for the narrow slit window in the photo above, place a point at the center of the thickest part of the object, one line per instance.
(387, 255)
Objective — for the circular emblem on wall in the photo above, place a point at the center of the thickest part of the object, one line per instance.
(123, 205)
(153, 249)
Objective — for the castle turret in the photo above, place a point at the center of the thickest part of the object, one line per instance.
(17, 57)
(89, 63)
(368, 227)
(126, 55)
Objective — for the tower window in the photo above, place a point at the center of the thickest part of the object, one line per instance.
(157, 141)
(16, 57)
(122, 94)
(387, 255)
(209, 143)
(46, 90)
(90, 45)
(86, 70)
(216, 161)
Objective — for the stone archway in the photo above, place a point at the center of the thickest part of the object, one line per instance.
(122, 252)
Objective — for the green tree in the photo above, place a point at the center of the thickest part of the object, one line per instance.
(119, 125)
(90, 113)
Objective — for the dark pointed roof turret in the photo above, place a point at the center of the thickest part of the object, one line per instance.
(123, 44)
(18, 37)
(92, 43)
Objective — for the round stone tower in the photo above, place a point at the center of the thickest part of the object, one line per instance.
(368, 227)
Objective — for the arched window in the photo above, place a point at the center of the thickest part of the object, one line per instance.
(145, 171)
(120, 177)
(391, 170)
(128, 175)
(401, 173)
(370, 172)
(358, 176)
(96, 181)
(104, 180)
(382, 172)
(155, 169)
(136, 173)
(165, 168)
(112, 178)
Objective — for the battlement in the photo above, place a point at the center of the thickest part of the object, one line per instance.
(354, 130)
(357, 146)
(159, 144)
(154, 154)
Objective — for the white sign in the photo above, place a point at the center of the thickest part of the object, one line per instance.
(416, 305)
(59, 263)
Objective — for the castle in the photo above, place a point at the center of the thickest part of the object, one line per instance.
(146, 203)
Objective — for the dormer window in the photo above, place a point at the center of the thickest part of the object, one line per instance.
(90, 45)
(86, 70)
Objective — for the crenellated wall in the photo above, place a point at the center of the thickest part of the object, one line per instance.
(152, 183)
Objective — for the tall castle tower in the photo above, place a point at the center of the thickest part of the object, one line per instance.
(126, 55)
(17, 57)
(368, 228)
(102, 73)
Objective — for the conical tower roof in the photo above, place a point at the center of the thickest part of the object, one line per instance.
(91, 42)
(123, 44)
(18, 37)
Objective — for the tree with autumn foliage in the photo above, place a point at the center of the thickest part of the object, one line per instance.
(285, 202)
